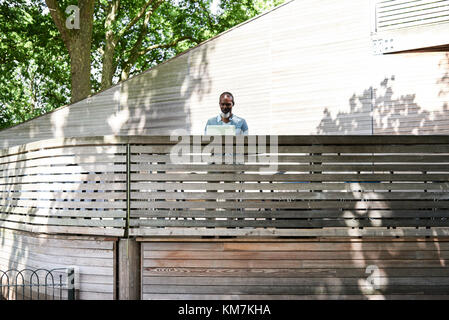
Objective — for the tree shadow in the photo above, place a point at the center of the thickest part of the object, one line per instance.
(390, 114)
(157, 101)
(400, 266)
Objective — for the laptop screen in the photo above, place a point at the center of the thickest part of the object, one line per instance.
(212, 130)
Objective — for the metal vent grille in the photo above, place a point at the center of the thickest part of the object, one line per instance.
(396, 14)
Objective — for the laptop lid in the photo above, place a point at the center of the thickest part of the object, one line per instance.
(218, 130)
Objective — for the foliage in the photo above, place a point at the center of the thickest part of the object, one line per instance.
(34, 67)
(35, 64)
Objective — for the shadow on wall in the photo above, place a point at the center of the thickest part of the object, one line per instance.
(155, 102)
(8, 189)
(444, 81)
(158, 101)
(400, 268)
(390, 115)
(395, 268)
(14, 252)
(356, 120)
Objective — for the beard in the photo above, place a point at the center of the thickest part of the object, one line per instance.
(226, 115)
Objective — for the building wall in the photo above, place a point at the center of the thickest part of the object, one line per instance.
(302, 68)
(94, 258)
(295, 269)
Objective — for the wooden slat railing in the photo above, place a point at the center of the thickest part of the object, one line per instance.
(345, 186)
(64, 186)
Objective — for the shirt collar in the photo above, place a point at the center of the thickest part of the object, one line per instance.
(219, 118)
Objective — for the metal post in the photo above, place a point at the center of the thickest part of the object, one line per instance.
(70, 284)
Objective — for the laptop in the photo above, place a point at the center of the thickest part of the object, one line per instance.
(217, 130)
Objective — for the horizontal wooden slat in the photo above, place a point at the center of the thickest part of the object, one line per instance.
(299, 255)
(67, 186)
(317, 214)
(81, 152)
(32, 256)
(287, 177)
(297, 273)
(293, 282)
(284, 223)
(297, 290)
(59, 251)
(324, 232)
(205, 167)
(405, 204)
(293, 139)
(354, 195)
(60, 241)
(295, 245)
(342, 186)
(304, 263)
(277, 273)
(68, 160)
(62, 229)
(61, 170)
(301, 158)
(64, 213)
(386, 148)
(64, 204)
(36, 220)
(35, 264)
(112, 178)
(63, 196)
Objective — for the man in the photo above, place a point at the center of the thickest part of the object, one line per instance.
(226, 102)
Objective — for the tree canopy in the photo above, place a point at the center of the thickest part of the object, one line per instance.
(45, 64)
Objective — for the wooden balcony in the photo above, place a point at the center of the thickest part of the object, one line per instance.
(287, 186)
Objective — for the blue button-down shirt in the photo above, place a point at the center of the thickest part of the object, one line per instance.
(241, 128)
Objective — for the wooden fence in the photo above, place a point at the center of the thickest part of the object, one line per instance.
(294, 186)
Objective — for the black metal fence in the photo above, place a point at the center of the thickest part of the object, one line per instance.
(37, 284)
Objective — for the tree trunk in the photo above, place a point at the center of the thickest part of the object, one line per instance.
(108, 70)
(78, 43)
(80, 52)
(80, 62)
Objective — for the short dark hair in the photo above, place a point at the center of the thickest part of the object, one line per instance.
(227, 94)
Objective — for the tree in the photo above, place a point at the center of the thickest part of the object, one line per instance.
(78, 43)
(34, 66)
(44, 63)
(130, 32)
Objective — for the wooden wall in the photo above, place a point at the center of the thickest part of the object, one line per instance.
(299, 186)
(64, 187)
(93, 256)
(302, 68)
(295, 269)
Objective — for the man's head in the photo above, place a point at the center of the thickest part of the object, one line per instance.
(226, 102)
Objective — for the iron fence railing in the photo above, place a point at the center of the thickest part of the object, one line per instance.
(37, 284)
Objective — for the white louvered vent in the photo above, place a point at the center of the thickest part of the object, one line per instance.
(396, 14)
(401, 25)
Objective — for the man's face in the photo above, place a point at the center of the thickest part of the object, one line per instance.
(226, 104)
